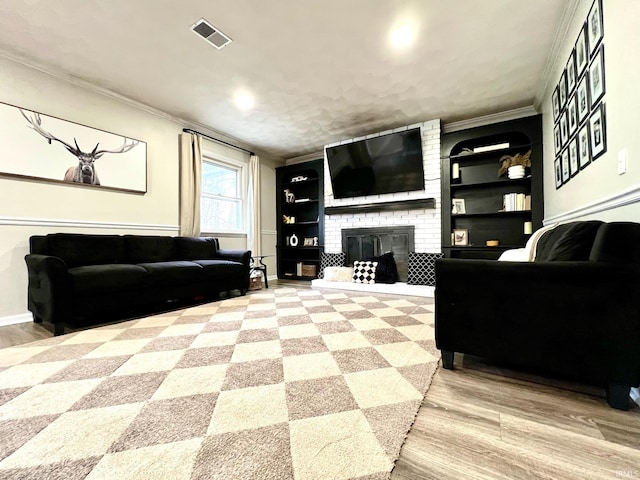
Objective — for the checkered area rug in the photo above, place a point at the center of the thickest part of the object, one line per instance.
(282, 383)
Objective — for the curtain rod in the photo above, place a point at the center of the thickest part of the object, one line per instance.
(189, 130)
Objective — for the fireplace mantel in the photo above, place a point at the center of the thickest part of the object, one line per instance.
(382, 206)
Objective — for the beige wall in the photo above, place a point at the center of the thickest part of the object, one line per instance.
(35, 207)
(599, 187)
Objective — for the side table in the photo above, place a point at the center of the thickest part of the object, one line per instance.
(258, 264)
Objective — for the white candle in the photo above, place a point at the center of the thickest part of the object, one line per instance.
(455, 171)
(528, 228)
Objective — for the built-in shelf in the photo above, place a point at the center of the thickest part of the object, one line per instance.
(483, 247)
(503, 151)
(315, 222)
(383, 206)
(491, 214)
(495, 183)
(307, 209)
(484, 194)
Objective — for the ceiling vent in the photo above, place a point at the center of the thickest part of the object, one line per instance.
(211, 34)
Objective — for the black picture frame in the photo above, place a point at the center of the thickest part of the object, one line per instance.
(582, 98)
(581, 53)
(574, 167)
(598, 132)
(555, 104)
(597, 87)
(570, 68)
(572, 115)
(557, 140)
(564, 128)
(584, 146)
(595, 26)
(566, 174)
(558, 172)
(562, 90)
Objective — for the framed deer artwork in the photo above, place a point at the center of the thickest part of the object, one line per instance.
(36, 146)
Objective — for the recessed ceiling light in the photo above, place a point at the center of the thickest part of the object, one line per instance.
(244, 100)
(402, 36)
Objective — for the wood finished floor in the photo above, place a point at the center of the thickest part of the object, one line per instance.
(481, 421)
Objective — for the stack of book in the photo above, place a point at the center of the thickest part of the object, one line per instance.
(516, 202)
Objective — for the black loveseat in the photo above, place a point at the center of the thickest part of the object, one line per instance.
(82, 280)
(573, 311)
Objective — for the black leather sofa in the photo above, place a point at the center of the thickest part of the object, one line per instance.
(81, 280)
(573, 311)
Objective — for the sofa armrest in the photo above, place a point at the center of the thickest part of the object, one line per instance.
(242, 256)
(49, 289)
(562, 316)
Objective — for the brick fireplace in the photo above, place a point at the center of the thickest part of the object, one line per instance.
(411, 209)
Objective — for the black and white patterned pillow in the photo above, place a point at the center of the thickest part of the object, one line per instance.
(331, 260)
(364, 272)
(422, 268)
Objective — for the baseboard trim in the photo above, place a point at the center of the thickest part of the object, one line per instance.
(54, 222)
(618, 200)
(15, 319)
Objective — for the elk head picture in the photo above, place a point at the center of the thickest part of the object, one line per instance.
(36, 145)
(85, 170)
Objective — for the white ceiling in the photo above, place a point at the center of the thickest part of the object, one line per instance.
(320, 70)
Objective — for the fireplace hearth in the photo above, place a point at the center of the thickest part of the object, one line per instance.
(362, 243)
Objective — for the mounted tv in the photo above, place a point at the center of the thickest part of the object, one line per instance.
(387, 164)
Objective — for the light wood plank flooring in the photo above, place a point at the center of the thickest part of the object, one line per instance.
(481, 421)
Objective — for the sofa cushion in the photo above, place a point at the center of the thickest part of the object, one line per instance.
(197, 248)
(178, 272)
(94, 279)
(532, 244)
(568, 242)
(220, 269)
(617, 242)
(80, 249)
(150, 248)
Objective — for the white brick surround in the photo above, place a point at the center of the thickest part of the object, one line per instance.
(426, 221)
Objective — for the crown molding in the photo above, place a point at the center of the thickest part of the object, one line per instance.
(59, 74)
(489, 119)
(546, 80)
(305, 158)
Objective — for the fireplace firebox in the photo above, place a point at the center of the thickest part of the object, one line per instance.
(362, 243)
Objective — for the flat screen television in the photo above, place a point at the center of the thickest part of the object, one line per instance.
(386, 164)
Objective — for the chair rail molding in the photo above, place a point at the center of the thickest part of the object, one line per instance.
(612, 202)
(55, 222)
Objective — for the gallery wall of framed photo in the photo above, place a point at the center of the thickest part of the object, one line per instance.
(578, 102)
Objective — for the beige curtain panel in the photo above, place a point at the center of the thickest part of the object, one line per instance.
(254, 226)
(190, 183)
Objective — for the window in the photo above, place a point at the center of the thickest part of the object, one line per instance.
(221, 203)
